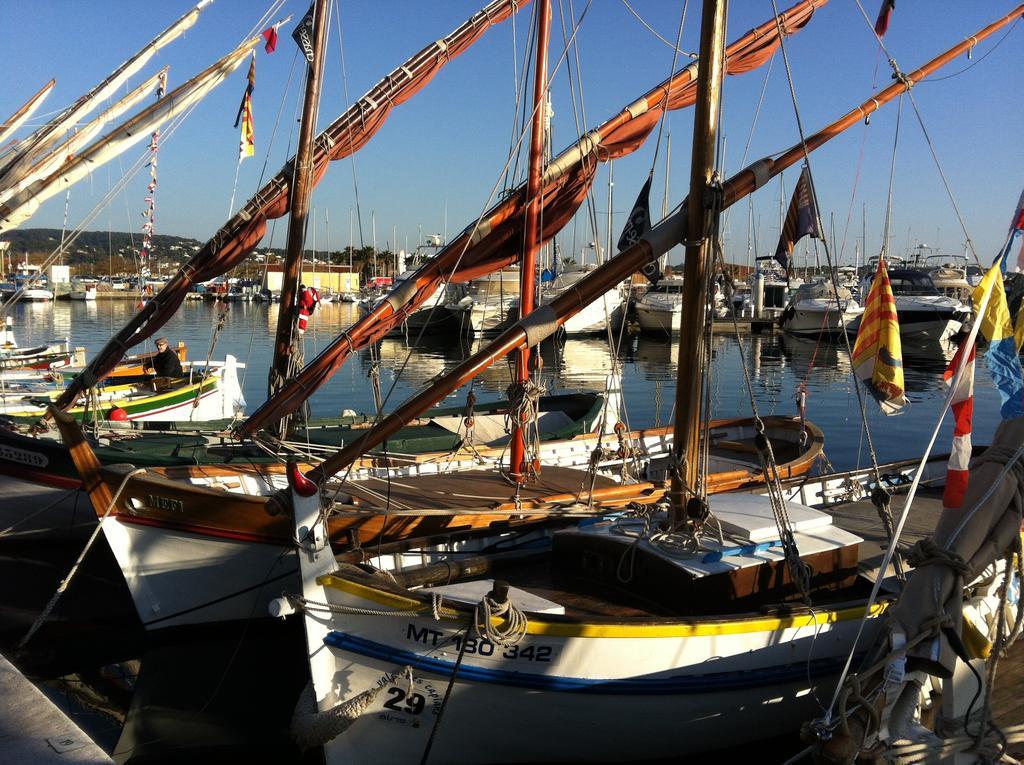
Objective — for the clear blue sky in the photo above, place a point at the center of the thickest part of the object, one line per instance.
(435, 162)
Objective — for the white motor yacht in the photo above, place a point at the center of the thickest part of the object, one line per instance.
(483, 306)
(949, 274)
(660, 309)
(924, 314)
(817, 309)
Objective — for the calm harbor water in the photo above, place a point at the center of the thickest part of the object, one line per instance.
(228, 692)
(777, 366)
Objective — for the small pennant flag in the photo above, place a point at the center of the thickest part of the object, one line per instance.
(247, 140)
(801, 219)
(248, 90)
(963, 414)
(878, 354)
(637, 225)
(270, 35)
(884, 14)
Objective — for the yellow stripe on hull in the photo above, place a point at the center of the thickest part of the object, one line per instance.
(621, 630)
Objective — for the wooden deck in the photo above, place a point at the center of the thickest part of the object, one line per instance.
(468, 489)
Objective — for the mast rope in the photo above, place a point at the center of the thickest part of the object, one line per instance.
(469, 239)
(776, 497)
(668, 90)
(828, 255)
(62, 587)
(222, 317)
(746, 151)
(511, 633)
(898, 75)
(614, 342)
(890, 550)
(675, 48)
(881, 498)
(970, 55)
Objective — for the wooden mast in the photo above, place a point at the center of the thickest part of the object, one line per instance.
(302, 186)
(699, 223)
(518, 470)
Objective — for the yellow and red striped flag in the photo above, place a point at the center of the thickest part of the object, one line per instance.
(878, 355)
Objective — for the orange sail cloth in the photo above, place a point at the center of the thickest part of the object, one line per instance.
(239, 236)
(498, 239)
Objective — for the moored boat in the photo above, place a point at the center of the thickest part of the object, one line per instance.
(816, 309)
(924, 314)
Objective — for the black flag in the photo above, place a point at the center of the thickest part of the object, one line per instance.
(303, 35)
(637, 224)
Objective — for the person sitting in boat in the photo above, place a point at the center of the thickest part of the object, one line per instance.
(166, 362)
(309, 299)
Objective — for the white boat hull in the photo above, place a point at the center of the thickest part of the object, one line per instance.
(704, 684)
(658, 319)
(224, 578)
(222, 400)
(817, 318)
(178, 578)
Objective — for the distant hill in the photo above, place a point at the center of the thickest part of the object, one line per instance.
(115, 251)
(93, 246)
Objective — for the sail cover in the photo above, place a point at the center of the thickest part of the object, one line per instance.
(10, 126)
(31, 148)
(66, 151)
(496, 242)
(23, 205)
(240, 235)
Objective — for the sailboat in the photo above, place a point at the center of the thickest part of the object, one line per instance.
(645, 635)
(236, 549)
(925, 314)
(750, 50)
(44, 164)
(820, 309)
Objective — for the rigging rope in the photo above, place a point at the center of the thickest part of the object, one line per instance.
(475, 228)
(676, 50)
(899, 75)
(62, 587)
(883, 501)
(890, 550)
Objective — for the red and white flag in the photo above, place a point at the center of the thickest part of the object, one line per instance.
(963, 414)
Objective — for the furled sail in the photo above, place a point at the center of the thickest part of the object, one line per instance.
(21, 206)
(239, 236)
(496, 242)
(30, 149)
(66, 151)
(16, 120)
(657, 241)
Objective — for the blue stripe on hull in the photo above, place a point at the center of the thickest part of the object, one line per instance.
(680, 684)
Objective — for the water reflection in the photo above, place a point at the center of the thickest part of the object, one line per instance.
(776, 365)
(827, 362)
